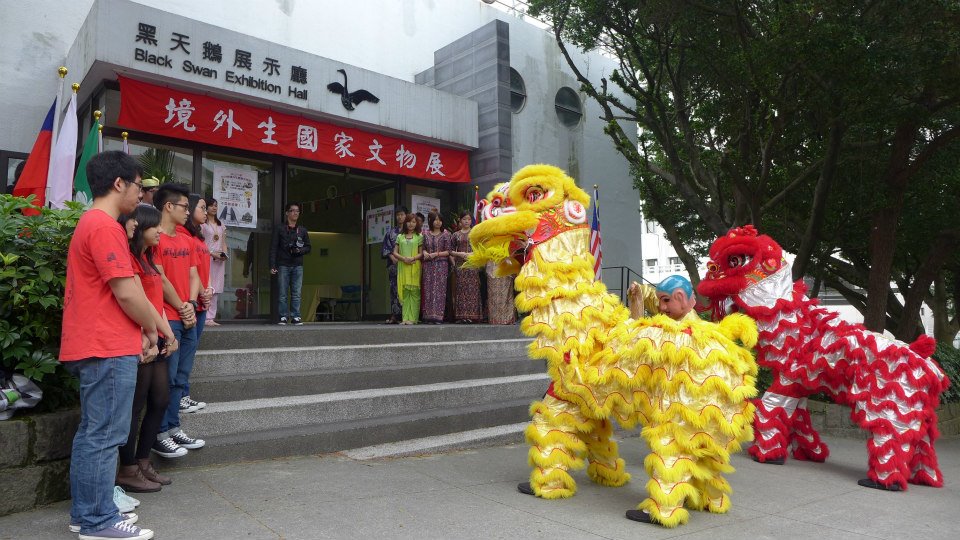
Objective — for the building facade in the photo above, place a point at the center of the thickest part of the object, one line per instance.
(347, 111)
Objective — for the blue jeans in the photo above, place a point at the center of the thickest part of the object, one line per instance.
(106, 401)
(201, 322)
(291, 281)
(179, 364)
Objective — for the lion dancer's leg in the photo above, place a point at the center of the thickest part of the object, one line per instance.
(924, 468)
(888, 462)
(805, 440)
(606, 467)
(555, 447)
(671, 468)
(773, 422)
(714, 488)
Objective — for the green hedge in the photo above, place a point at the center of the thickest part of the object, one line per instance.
(33, 267)
(949, 359)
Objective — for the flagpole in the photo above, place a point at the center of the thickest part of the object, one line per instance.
(62, 72)
(126, 147)
(96, 118)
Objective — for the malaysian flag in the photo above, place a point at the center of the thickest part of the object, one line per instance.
(596, 244)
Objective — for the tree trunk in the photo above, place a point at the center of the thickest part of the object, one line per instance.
(883, 231)
(944, 329)
(940, 251)
(819, 210)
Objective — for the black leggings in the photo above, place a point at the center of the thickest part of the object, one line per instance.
(153, 391)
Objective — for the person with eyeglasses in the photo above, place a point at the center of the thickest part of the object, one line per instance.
(107, 324)
(290, 243)
(178, 262)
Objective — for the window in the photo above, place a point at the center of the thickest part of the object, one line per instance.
(651, 262)
(569, 109)
(674, 261)
(9, 163)
(518, 91)
(651, 226)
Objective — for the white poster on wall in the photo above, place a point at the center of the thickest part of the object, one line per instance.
(379, 221)
(236, 193)
(424, 205)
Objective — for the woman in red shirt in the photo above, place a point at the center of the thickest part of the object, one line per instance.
(136, 473)
(197, 216)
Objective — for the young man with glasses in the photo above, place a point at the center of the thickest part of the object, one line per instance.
(107, 324)
(290, 243)
(177, 260)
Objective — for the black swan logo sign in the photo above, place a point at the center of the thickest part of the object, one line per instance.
(348, 98)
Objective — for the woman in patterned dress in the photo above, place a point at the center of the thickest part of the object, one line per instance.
(214, 233)
(436, 260)
(500, 296)
(409, 251)
(466, 295)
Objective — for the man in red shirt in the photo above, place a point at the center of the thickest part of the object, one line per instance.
(176, 258)
(107, 324)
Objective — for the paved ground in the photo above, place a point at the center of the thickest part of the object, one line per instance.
(472, 494)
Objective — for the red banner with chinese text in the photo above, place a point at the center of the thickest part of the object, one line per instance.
(184, 115)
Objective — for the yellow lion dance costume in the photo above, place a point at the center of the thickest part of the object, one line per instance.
(687, 382)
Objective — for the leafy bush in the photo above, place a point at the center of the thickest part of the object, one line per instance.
(949, 359)
(33, 266)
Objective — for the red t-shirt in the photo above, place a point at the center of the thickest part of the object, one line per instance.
(203, 263)
(94, 324)
(176, 254)
(152, 283)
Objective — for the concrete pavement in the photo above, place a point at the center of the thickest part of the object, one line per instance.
(472, 494)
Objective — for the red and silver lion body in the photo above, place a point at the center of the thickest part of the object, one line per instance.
(891, 387)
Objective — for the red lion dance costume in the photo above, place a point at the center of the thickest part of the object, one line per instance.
(893, 388)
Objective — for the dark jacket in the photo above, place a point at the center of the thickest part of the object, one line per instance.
(289, 246)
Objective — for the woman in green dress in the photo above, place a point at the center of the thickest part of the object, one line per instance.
(409, 251)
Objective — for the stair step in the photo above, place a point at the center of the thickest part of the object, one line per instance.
(474, 438)
(290, 411)
(241, 336)
(296, 359)
(232, 387)
(334, 437)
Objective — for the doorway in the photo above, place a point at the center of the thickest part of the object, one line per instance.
(333, 211)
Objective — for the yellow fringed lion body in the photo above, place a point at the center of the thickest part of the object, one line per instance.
(687, 382)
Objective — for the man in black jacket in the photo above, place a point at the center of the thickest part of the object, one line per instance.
(290, 243)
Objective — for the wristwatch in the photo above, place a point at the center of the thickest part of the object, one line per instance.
(194, 304)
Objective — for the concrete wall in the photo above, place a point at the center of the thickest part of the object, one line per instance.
(400, 41)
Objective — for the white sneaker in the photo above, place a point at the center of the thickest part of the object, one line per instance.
(120, 529)
(129, 518)
(197, 405)
(124, 502)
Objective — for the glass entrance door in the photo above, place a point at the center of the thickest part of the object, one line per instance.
(332, 210)
(378, 207)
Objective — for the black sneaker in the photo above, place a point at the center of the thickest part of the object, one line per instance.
(283, 321)
(187, 441)
(297, 321)
(168, 448)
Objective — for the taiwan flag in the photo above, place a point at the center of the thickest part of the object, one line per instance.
(33, 179)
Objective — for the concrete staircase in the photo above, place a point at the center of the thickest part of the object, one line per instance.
(376, 390)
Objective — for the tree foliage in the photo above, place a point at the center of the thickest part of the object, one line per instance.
(832, 126)
(33, 269)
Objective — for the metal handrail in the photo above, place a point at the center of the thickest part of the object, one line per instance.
(625, 277)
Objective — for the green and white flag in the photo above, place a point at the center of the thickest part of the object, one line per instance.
(80, 184)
